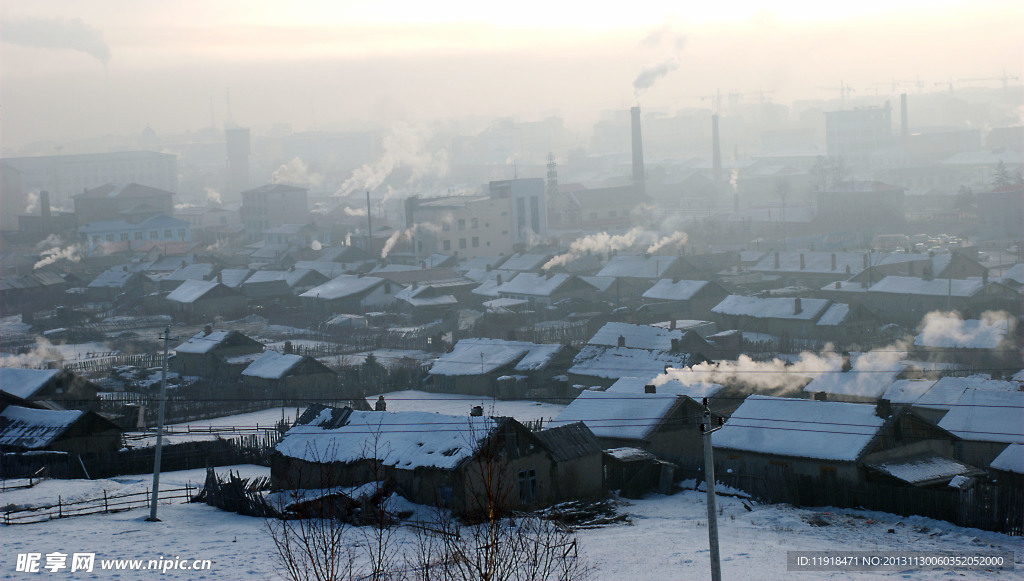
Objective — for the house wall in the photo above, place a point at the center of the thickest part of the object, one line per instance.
(209, 308)
(753, 463)
(578, 478)
(976, 453)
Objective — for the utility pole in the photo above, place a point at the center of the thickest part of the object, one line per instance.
(709, 481)
(159, 433)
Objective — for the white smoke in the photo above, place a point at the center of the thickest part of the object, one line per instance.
(41, 355)
(406, 235)
(676, 239)
(404, 147)
(602, 242)
(316, 246)
(73, 253)
(734, 180)
(31, 202)
(296, 173)
(350, 211)
(57, 34)
(213, 196)
(662, 38)
(942, 329)
(49, 242)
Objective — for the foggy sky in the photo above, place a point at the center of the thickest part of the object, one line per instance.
(73, 70)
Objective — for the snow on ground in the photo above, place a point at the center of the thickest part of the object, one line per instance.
(456, 404)
(246, 423)
(667, 537)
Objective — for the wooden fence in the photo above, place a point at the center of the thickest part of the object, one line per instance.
(108, 503)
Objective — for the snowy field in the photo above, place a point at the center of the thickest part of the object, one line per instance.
(457, 405)
(218, 427)
(666, 537)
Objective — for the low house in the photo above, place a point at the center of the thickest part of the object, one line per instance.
(988, 342)
(943, 394)
(1008, 468)
(64, 388)
(789, 317)
(810, 269)
(662, 424)
(634, 472)
(117, 281)
(576, 452)
(825, 439)
(281, 284)
(289, 377)
(686, 299)
(986, 421)
(195, 271)
(24, 429)
(545, 289)
(634, 273)
(39, 290)
(428, 302)
(352, 294)
(625, 350)
(430, 459)
(493, 367)
(197, 299)
(206, 353)
(906, 299)
(863, 378)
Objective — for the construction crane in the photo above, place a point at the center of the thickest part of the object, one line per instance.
(844, 91)
(1005, 79)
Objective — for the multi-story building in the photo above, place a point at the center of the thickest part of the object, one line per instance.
(472, 226)
(64, 176)
(132, 202)
(854, 135)
(271, 206)
(529, 206)
(155, 228)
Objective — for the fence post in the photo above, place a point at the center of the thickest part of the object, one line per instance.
(60, 508)
(106, 508)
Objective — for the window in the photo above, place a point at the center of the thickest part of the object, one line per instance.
(446, 226)
(181, 233)
(167, 233)
(153, 235)
(828, 474)
(475, 223)
(527, 486)
(124, 236)
(447, 244)
(476, 242)
(138, 235)
(110, 237)
(462, 224)
(462, 242)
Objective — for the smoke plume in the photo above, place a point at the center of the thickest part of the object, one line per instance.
(939, 329)
(676, 239)
(350, 211)
(406, 146)
(602, 242)
(73, 253)
(662, 38)
(213, 196)
(38, 357)
(296, 172)
(31, 202)
(58, 34)
(316, 246)
(406, 235)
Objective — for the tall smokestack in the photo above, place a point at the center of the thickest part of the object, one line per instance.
(639, 183)
(369, 224)
(44, 204)
(716, 153)
(904, 122)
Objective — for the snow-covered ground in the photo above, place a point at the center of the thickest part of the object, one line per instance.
(217, 427)
(458, 404)
(666, 538)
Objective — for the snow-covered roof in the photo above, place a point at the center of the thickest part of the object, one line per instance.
(324, 267)
(31, 428)
(835, 314)
(1011, 459)
(478, 356)
(909, 285)
(346, 285)
(529, 283)
(814, 262)
(191, 290)
(290, 277)
(770, 308)
(948, 390)
(480, 263)
(637, 336)
(197, 271)
(1015, 274)
(966, 334)
(524, 262)
(637, 266)
(987, 415)
(628, 454)
(616, 362)
(922, 470)
(501, 305)
(907, 391)
(804, 428)
(234, 277)
(406, 440)
(681, 290)
(24, 383)
(675, 382)
(601, 283)
(613, 415)
(202, 343)
(272, 365)
(425, 296)
(115, 277)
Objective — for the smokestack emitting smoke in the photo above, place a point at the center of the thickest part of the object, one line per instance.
(406, 146)
(677, 239)
(59, 34)
(716, 151)
(904, 122)
(296, 172)
(639, 183)
(656, 39)
(73, 253)
(602, 242)
(406, 235)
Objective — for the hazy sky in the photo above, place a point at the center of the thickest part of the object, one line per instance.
(75, 69)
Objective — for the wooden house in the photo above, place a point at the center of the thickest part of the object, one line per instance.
(352, 294)
(119, 281)
(625, 350)
(681, 299)
(24, 429)
(540, 290)
(498, 368)
(986, 421)
(207, 354)
(64, 388)
(199, 299)
(289, 377)
(576, 453)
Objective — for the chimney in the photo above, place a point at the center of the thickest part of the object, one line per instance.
(287, 346)
(839, 285)
(833, 261)
(803, 264)
(381, 405)
(883, 408)
(867, 261)
(820, 396)
(716, 151)
(797, 306)
(220, 278)
(622, 341)
(477, 411)
(675, 345)
(44, 204)
(848, 270)
(776, 260)
(184, 264)
(207, 330)
(639, 182)
(649, 388)
(847, 365)
(984, 277)
(498, 280)
(672, 324)
(904, 122)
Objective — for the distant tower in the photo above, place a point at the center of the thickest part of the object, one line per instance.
(238, 159)
(716, 151)
(639, 182)
(552, 175)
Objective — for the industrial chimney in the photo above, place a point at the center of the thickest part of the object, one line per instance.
(716, 153)
(44, 204)
(904, 122)
(639, 185)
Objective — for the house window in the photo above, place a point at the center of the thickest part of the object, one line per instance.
(527, 486)
(181, 233)
(153, 235)
(167, 234)
(138, 235)
(387, 287)
(110, 237)
(474, 223)
(828, 474)
(444, 496)
(462, 242)
(447, 244)
(476, 242)
(462, 224)
(446, 226)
